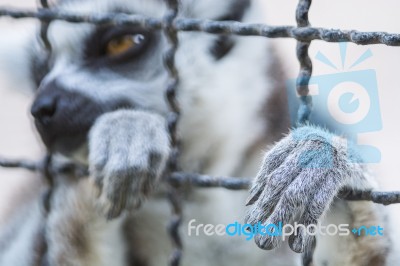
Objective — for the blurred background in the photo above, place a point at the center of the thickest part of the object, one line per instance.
(18, 140)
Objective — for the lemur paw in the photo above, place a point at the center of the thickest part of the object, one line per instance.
(128, 151)
(297, 182)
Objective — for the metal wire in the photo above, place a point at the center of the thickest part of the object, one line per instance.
(303, 114)
(305, 34)
(182, 179)
(46, 165)
(305, 64)
(44, 26)
(174, 196)
(171, 25)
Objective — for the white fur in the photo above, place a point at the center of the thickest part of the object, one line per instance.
(221, 105)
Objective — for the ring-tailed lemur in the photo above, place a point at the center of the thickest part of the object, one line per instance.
(100, 101)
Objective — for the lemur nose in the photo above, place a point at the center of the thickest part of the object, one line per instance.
(44, 108)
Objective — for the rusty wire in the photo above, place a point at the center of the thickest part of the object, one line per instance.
(182, 179)
(46, 165)
(303, 114)
(171, 25)
(47, 174)
(216, 27)
(172, 122)
(44, 26)
(305, 64)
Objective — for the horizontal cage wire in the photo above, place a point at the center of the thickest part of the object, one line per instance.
(182, 179)
(170, 24)
(216, 27)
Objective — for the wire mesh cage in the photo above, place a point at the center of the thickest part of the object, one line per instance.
(171, 24)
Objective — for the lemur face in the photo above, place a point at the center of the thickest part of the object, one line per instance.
(98, 69)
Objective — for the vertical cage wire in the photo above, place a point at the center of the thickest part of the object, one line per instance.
(44, 26)
(172, 122)
(305, 72)
(302, 89)
(46, 172)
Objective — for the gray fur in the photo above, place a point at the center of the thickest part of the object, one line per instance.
(298, 181)
(128, 151)
(231, 110)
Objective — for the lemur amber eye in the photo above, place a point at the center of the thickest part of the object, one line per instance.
(124, 43)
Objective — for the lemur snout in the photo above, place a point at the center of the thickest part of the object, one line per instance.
(63, 117)
(44, 108)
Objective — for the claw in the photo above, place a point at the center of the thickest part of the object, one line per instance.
(296, 243)
(266, 243)
(253, 198)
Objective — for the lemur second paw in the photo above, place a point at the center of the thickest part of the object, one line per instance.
(128, 151)
(297, 182)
